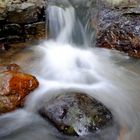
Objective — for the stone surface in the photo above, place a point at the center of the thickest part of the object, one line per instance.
(27, 13)
(2, 9)
(14, 87)
(76, 114)
(21, 21)
(120, 3)
(10, 67)
(10, 29)
(35, 31)
(119, 29)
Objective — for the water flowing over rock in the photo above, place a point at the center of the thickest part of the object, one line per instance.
(14, 87)
(119, 29)
(76, 114)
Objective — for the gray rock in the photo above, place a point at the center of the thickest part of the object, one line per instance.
(76, 114)
(119, 29)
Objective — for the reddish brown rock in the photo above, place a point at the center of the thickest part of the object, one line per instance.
(120, 29)
(14, 87)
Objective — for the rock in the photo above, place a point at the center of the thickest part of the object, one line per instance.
(2, 9)
(14, 87)
(10, 33)
(23, 13)
(11, 29)
(119, 29)
(76, 114)
(120, 3)
(35, 31)
(10, 67)
(18, 18)
(2, 47)
(9, 40)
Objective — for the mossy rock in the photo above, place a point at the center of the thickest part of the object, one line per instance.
(76, 114)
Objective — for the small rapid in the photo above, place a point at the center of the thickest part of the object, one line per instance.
(66, 62)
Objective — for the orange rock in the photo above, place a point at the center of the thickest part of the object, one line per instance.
(14, 87)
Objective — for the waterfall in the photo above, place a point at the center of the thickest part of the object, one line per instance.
(64, 26)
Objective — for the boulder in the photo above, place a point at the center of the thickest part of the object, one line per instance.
(76, 114)
(14, 87)
(119, 29)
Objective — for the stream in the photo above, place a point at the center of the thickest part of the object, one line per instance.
(67, 62)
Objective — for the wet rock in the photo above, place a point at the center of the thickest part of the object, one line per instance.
(24, 12)
(119, 29)
(120, 3)
(76, 114)
(2, 9)
(35, 31)
(11, 39)
(14, 87)
(11, 29)
(2, 48)
(10, 67)
(27, 13)
(18, 18)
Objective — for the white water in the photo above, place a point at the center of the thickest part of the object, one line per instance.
(64, 27)
(59, 66)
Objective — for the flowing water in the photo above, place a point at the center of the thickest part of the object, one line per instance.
(66, 62)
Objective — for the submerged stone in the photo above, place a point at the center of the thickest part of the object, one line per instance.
(76, 114)
(14, 87)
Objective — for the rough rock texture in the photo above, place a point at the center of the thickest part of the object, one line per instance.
(10, 67)
(120, 29)
(14, 87)
(18, 17)
(35, 31)
(76, 114)
(120, 3)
